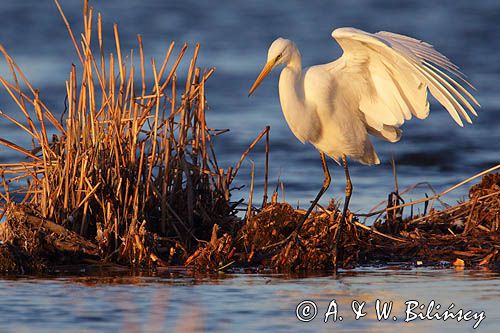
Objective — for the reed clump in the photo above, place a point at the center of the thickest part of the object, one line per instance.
(131, 169)
(131, 177)
(467, 234)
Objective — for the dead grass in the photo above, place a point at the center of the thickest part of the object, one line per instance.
(131, 167)
(469, 232)
(131, 177)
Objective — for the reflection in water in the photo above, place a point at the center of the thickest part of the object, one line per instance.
(245, 302)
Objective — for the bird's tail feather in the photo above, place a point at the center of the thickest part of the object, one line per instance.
(389, 133)
(369, 156)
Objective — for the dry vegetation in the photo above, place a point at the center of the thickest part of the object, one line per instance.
(131, 168)
(467, 234)
(131, 178)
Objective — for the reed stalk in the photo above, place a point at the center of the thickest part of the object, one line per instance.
(127, 156)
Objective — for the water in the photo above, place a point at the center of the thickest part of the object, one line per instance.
(245, 302)
(234, 36)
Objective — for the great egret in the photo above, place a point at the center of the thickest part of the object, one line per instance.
(380, 81)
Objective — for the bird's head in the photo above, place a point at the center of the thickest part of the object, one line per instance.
(280, 53)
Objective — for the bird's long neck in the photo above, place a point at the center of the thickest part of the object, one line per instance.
(291, 83)
(295, 61)
(291, 88)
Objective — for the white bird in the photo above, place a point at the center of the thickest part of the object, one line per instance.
(380, 81)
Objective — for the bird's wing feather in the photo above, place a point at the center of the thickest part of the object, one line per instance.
(397, 72)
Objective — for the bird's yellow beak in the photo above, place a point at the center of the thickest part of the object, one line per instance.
(265, 71)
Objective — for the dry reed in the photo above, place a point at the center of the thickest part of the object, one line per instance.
(132, 166)
(131, 177)
(467, 233)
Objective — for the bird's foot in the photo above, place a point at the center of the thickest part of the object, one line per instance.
(337, 249)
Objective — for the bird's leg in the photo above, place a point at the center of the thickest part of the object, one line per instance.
(326, 184)
(338, 235)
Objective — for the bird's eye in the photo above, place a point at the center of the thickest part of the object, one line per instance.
(279, 56)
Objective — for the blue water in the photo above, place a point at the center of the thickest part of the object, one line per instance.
(234, 37)
(246, 302)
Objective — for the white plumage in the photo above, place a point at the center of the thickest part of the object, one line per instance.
(379, 82)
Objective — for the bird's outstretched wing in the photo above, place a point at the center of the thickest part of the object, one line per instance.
(397, 71)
